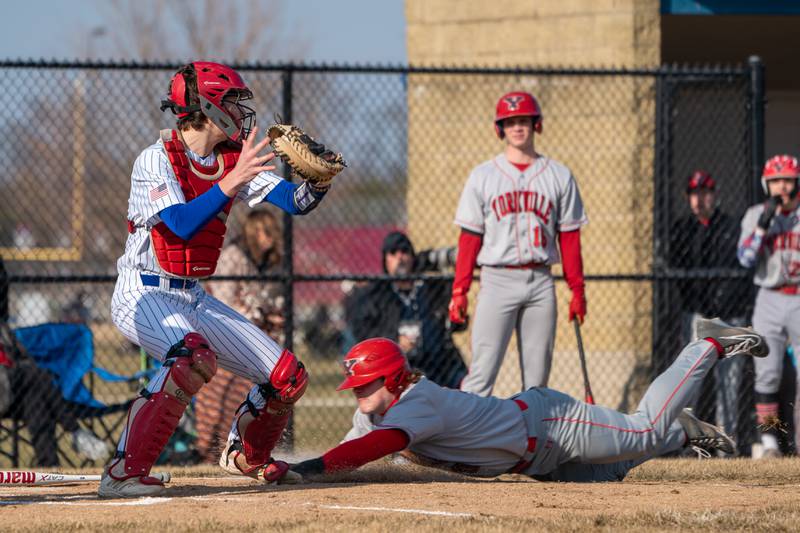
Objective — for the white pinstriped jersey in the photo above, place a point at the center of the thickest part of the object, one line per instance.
(157, 317)
(453, 426)
(154, 187)
(519, 213)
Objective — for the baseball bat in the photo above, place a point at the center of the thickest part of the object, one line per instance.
(9, 477)
(26, 477)
(586, 385)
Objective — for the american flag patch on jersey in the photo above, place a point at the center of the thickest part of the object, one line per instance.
(158, 192)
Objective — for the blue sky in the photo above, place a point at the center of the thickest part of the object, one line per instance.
(340, 31)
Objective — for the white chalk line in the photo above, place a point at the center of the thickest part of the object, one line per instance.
(140, 501)
(392, 510)
(137, 502)
(159, 500)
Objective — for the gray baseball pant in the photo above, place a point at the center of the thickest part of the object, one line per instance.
(509, 299)
(581, 442)
(776, 317)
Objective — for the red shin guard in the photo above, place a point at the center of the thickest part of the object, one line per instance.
(260, 429)
(153, 417)
(151, 422)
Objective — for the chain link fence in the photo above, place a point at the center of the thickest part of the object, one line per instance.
(410, 137)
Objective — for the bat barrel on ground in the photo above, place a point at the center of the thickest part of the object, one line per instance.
(27, 477)
(589, 397)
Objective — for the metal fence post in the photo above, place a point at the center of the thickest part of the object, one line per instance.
(287, 440)
(661, 218)
(288, 246)
(757, 102)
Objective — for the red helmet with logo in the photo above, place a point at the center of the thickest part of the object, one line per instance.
(374, 359)
(517, 104)
(779, 166)
(220, 91)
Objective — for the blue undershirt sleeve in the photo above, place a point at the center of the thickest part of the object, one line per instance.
(295, 199)
(185, 220)
(282, 195)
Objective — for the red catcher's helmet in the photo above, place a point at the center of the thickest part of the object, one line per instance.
(700, 180)
(374, 359)
(517, 104)
(779, 166)
(220, 90)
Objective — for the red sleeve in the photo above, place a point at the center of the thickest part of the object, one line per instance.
(357, 452)
(469, 244)
(572, 262)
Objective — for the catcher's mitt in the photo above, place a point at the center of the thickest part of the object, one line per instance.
(309, 159)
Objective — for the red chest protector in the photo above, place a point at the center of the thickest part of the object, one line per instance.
(197, 257)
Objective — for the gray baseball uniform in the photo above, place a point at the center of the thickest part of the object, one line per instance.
(519, 214)
(542, 432)
(776, 258)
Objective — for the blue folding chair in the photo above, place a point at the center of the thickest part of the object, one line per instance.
(67, 351)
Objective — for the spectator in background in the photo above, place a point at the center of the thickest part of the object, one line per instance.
(28, 393)
(257, 251)
(706, 239)
(411, 312)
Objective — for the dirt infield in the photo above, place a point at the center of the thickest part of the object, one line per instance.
(665, 494)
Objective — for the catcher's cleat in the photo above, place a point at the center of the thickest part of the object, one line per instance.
(132, 487)
(273, 472)
(705, 436)
(734, 340)
(227, 459)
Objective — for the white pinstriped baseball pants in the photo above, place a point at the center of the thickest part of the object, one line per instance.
(157, 318)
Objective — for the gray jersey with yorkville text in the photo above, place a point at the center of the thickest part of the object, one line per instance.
(520, 212)
(452, 426)
(778, 262)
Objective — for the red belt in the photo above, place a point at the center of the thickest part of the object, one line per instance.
(524, 463)
(787, 289)
(526, 266)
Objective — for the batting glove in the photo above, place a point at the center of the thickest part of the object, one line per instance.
(577, 306)
(770, 207)
(458, 307)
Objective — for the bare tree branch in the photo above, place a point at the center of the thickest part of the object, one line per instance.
(232, 31)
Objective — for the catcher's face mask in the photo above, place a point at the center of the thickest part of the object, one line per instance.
(243, 116)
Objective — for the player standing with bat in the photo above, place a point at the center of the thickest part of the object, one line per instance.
(516, 212)
(770, 243)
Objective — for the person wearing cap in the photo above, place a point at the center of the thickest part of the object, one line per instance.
(412, 313)
(770, 244)
(701, 241)
(519, 213)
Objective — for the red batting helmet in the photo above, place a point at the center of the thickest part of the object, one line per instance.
(779, 166)
(517, 104)
(700, 180)
(220, 91)
(374, 359)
